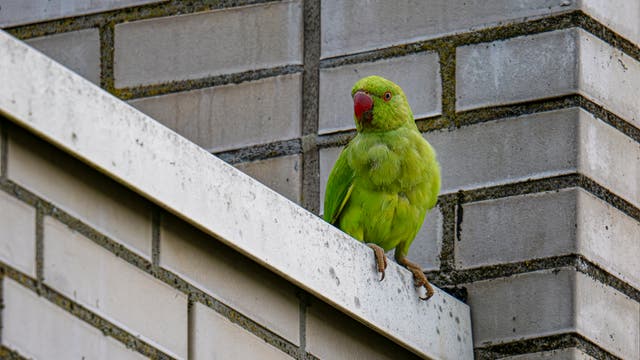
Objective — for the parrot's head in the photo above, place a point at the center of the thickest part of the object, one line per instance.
(379, 105)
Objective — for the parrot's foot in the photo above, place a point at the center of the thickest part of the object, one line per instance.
(381, 259)
(418, 276)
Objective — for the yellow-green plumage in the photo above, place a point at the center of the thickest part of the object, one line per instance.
(387, 177)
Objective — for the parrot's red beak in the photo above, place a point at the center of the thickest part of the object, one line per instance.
(362, 103)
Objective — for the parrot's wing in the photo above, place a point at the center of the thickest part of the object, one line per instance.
(339, 188)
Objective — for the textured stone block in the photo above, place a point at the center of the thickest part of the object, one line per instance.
(554, 302)
(38, 329)
(17, 234)
(108, 285)
(518, 69)
(333, 335)
(230, 40)
(216, 337)
(418, 75)
(282, 174)
(620, 16)
(230, 277)
(77, 50)
(560, 354)
(610, 77)
(427, 245)
(538, 145)
(355, 26)
(19, 12)
(80, 190)
(571, 221)
(232, 116)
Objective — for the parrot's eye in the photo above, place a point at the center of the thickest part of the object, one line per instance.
(387, 96)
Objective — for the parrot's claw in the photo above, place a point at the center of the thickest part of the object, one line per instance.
(418, 276)
(381, 259)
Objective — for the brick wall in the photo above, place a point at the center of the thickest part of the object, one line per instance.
(532, 107)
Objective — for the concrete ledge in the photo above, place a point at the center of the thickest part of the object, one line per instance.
(154, 161)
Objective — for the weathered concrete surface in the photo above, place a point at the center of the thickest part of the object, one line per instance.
(128, 145)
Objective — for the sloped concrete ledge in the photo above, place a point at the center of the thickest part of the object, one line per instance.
(125, 144)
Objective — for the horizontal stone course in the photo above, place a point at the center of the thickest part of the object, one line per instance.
(620, 16)
(232, 116)
(560, 354)
(97, 279)
(552, 302)
(36, 328)
(571, 221)
(77, 50)
(356, 26)
(418, 75)
(230, 40)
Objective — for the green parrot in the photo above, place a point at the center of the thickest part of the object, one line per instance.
(387, 177)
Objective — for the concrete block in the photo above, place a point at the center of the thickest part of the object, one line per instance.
(281, 174)
(538, 145)
(79, 190)
(518, 69)
(38, 329)
(517, 228)
(610, 77)
(418, 75)
(230, 40)
(77, 50)
(216, 337)
(30, 11)
(355, 26)
(560, 354)
(553, 302)
(232, 116)
(333, 335)
(94, 277)
(427, 245)
(609, 157)
(570, 221)
(230, 277)
(620, 16)
(17, 234)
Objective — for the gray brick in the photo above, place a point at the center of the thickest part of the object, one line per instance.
(621, 17)
(355, 26)
(38, 329)
(230, 277)
(232, 116)
(553, 302)
(548, 224)
(281, 174)
(77, 50)
(610, 77)
(333, 335)
(519, 69)
(80, 190)
(427, 245)
(94, 277)
(229, 40)
(560, 354)
(216, 337)
(418, 75)
(18, 12)
(538, 145)
(17, 234)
